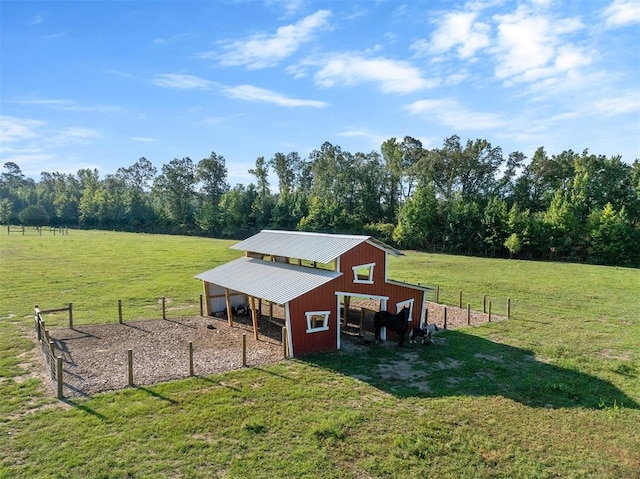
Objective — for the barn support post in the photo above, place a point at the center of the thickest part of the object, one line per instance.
(130, 366)
(205, 288)
(254, 317)
(347, 303)
(361, 320)
(59, 377)
(270, 311)
(227, 297)
(190, 358)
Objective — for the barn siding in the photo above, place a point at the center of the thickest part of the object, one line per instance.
(324, 299)
(320, 299)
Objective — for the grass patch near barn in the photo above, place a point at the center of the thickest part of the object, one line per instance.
(553, 392)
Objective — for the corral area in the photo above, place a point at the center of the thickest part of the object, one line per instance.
(95, 357)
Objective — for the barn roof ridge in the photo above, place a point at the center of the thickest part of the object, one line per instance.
(307, 245)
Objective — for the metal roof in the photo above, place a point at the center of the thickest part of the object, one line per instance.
(275, 282)
(319, 247)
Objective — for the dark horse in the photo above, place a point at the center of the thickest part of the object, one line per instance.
(393, 322)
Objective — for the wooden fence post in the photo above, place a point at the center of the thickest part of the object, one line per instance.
(508, 308)
(70, 315)
(120, 311)
(437, 294)
(201, 307)
(489, 311)
(484, 303)
(59, 377)
(284, 342)
(460, 300)
(190, 358)
(130, 365)
(164, 308)
(445, 318)
(244, 350)
(468, 314)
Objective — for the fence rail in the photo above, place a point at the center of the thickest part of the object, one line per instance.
(24, 230)
(53, 363)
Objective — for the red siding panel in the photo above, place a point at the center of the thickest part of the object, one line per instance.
(324, 299)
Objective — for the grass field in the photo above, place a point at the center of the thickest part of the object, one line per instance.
(553, 392)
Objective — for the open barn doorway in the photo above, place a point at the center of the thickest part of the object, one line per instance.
(356, 313)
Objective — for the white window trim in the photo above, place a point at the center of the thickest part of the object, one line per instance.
(402, 304)
(324, 327)
(361, 266)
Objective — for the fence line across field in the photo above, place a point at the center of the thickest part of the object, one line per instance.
(24, 230)
(486, 303)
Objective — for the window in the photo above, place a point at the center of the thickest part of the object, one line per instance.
(317, 321)
(405, 304)
(363, 273)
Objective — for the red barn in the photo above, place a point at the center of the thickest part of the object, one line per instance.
(310, 275)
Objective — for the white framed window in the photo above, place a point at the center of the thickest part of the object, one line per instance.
(405, 304)
(363, 273)
(317, 321)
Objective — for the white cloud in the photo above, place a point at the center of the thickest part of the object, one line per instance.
(532, 46)
(14, 129)
(69, 105)
(458, 29)
(143, 139)
(183, 82)
(627, 102)
(262, 51)
(392, 76)
(450, 113)
(252, 93)
(622, 13)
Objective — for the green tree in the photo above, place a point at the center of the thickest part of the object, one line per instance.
(513, 244)
(174, 191)
(6, 211)
(211, 173)
(495, 223)
(417, 219)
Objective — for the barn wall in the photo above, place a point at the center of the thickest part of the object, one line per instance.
(217, 300)
(320, 299)
(325, 299)
(367, 253)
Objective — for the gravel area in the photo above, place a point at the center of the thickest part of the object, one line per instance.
(95, 357)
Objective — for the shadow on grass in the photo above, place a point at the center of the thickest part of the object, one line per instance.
(460, 364)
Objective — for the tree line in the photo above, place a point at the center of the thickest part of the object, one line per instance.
(463, 198)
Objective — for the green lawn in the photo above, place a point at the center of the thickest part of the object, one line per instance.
(553, 392)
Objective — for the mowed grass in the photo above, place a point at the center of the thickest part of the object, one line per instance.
(554, 392)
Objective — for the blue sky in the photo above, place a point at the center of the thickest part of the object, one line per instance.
(99, 84)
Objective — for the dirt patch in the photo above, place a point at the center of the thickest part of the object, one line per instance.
(95, 357)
